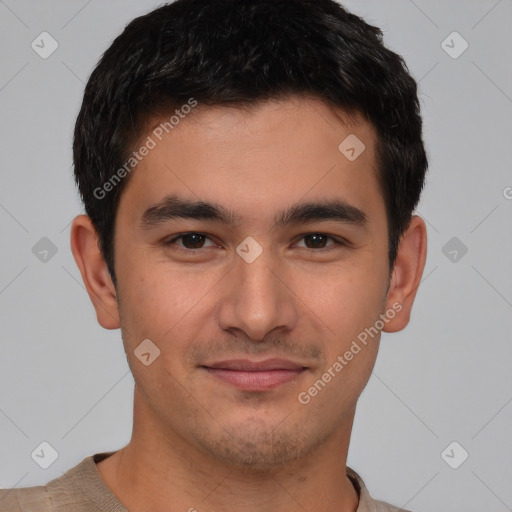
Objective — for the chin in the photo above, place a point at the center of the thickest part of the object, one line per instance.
(255, 445)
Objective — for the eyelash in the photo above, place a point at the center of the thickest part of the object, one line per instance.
(172, 242)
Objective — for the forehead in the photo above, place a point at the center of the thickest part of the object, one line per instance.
(269, 155)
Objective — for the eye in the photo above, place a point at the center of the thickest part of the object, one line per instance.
(190, 241)
(193, 241)
(318, 241)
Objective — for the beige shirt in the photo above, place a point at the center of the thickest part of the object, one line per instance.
(81, 489)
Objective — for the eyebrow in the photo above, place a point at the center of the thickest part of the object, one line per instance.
(172, 207)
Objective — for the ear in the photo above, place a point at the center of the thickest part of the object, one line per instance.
(95, 274)
(406, 275)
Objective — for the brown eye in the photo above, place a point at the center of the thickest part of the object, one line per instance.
(321, 243)
(316, 241)
(190, 241)
(193, 240)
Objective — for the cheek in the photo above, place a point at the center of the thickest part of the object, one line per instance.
(349, 303)
(157, 300)
(346, 298)
(349, 310)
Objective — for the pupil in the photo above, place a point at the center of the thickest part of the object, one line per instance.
(316, 240)
(196, 240)
(193, 241)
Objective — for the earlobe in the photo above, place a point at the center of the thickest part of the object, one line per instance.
(407, 272)
(94, 271)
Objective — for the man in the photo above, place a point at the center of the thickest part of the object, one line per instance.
(249, 169)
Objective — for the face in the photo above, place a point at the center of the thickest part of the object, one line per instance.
(253, 253)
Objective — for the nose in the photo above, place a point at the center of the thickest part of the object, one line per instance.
(258, 299)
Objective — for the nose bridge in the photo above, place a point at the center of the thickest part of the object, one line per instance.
(257, 301)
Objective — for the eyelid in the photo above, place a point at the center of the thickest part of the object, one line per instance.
(178, 236)
(337, 241)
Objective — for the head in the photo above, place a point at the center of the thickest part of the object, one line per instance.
(285, 139)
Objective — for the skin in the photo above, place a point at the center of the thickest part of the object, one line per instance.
(198, 441)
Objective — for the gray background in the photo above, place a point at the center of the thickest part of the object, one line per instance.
(65, 380)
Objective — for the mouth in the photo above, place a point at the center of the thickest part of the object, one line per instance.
(255, 375)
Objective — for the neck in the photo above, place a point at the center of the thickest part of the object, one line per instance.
(164, 473)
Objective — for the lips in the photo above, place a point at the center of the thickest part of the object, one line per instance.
(255, 375)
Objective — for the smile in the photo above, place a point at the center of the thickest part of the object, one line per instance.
(255, 375)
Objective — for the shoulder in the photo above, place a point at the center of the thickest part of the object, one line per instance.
(381, 506)
(29, 499)
(79, 489)
(366, 502)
